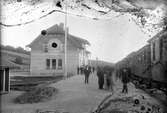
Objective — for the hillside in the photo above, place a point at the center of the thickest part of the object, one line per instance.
(17, 58)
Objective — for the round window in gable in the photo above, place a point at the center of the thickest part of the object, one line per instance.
(54, 45)
(43, 32)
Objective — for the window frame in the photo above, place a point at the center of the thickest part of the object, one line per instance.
(60, 66)
(45, 48)
(48, 64)
(153, 51)
(54, 65)
(52, 45)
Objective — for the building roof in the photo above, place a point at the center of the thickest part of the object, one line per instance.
(8, 63)
(146, 47)
(59, 29)
(160, 34)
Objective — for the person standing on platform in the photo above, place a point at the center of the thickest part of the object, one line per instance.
(100, 75)
(125, 79)
(90, 69)
(108, 82)
(82, 70)
(78, 70)
(105, 82)
(86, 73)
(111, 85)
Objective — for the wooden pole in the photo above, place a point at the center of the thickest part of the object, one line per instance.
(65, 42)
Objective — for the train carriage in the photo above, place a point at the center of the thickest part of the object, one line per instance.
(149, 64)
(159, 57)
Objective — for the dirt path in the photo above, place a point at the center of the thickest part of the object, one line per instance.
(74, 96)
(78, 97)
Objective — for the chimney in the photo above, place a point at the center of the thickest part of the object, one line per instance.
(61, 25)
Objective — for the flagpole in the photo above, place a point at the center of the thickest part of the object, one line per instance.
(65, 41)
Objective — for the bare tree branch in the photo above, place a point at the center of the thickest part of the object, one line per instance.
(94, 9)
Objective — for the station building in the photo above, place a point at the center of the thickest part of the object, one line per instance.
(48, 52)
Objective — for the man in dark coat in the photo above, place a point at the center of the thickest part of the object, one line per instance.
(86, 73)
(90, 69)
(78, 70)
(109, 80)
(100, 75)
(125, 79)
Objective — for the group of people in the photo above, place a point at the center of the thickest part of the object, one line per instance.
(105, 76)
(80, 70)
(105, 80)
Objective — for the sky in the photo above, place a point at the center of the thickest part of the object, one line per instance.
(111, 40)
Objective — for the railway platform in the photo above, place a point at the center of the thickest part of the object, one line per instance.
(76, 97)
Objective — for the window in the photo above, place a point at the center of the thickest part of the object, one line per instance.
(145, 56)
(53, 63)
(45, 48)
(54, 45)
(60, 64)
(47, 63)
(139, 59)
(161, 48)
(153, 51)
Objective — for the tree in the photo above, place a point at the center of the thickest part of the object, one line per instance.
(20, 49)
(18, 60)
(149, 15)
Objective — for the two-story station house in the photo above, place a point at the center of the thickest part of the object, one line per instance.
(48, 52)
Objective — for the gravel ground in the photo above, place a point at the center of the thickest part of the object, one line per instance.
(136, 101)
(76, 97)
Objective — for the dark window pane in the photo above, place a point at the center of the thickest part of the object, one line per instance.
(1, 80)
(60, 63)
(47, 63)
(45, 48)
(7, 79)
(153, 51)
(53, 63)
(161, 48)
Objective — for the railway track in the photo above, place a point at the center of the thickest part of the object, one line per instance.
(27, 83)
(147, 83)
(159, 94)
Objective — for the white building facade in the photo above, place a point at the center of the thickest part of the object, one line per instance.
(48, 52)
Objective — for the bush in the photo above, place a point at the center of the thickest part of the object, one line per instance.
(36, 95)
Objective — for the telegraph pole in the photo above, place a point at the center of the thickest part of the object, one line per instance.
(65, 42)
(96, 62)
